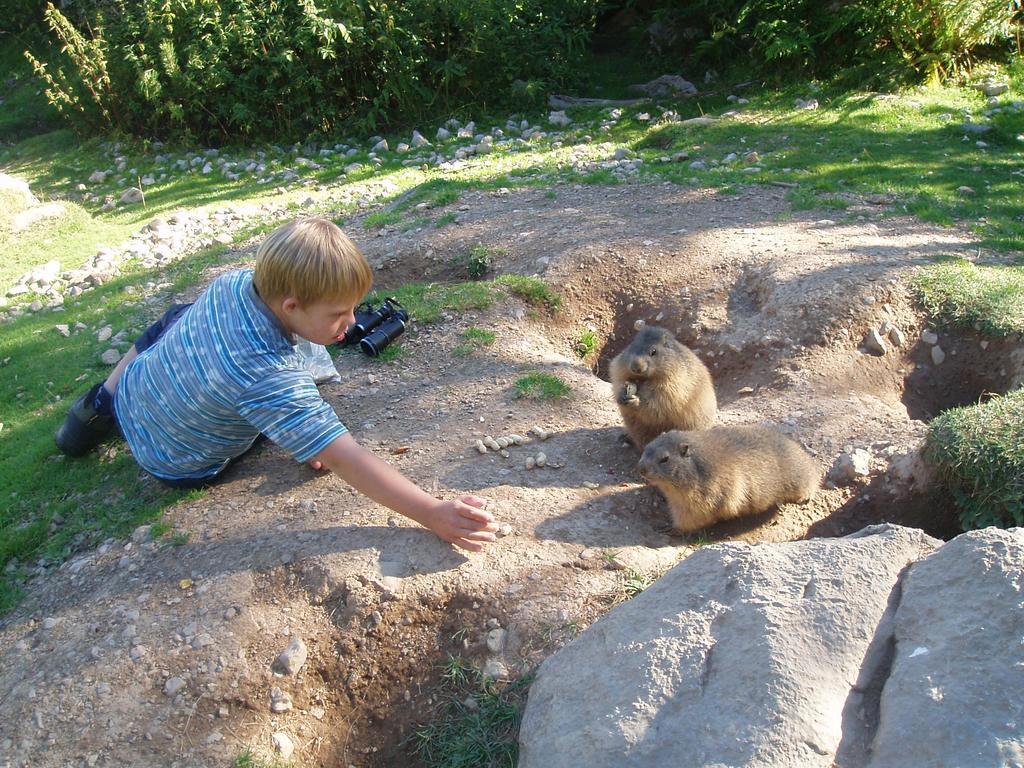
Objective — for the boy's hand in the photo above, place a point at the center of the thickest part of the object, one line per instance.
(463, 522)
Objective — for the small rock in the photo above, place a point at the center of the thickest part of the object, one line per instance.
(50, 622)
(965, 191)
(504, 530)
(496, 640)
(173, 685)
(938, 356)
(317, 712)
(279, 701)
(110, 357)
(283, 745)
(897, 337)
(291, 658)
(929, 337)
(850, 466)
(201, 641)
(495, 669)
(104, 333)
(132, 195)
(874, 343)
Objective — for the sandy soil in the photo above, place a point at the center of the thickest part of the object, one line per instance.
(776, 303)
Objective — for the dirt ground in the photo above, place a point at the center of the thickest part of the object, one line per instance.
(776, 302)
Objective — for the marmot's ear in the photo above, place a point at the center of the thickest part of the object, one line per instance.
(684, 449)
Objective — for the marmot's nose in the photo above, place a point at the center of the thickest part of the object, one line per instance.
(638, 366)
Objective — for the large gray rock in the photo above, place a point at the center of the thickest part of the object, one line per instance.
(739, 656)
(955, 695)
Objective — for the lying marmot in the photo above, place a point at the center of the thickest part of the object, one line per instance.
(661, 385)
(726, 472)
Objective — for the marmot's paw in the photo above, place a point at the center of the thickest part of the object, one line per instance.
(627, 396)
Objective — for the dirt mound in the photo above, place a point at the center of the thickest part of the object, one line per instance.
(776, 303)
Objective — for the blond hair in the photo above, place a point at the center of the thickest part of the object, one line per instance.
(311, 260)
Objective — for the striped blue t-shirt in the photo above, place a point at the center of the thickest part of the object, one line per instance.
(226, 371)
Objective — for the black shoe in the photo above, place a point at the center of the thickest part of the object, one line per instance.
(83, 428)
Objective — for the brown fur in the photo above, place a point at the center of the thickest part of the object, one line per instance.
(726, 472)
(660, 384)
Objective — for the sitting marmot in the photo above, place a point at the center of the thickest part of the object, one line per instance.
(726, 472)
(660, 385)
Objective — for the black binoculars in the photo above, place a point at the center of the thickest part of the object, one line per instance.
(374, 329)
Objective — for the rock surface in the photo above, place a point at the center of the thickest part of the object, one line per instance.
(741, 655)
(957, 683)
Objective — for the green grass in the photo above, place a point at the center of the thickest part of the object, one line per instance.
(586, 344)
(482, 734)
(978, 452)
(479, 260)
(635, 582)
(246, 759)
(988, 299)
(381, 219)
(541, 386)
(473, 339)
(532, 290)
(445, 219)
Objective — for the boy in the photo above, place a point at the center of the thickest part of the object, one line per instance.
(204, 381)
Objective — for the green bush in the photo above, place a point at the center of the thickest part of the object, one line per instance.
(978, 453)
(921, 37)
(230, 69)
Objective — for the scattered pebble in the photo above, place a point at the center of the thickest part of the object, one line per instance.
(283, 745)
(280, 701)
(173, 685)
(291, 658)
(938, 356)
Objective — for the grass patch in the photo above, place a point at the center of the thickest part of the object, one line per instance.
(445, 219)
(381, 219)
(978, 452)
(988, 299)
(426, 302)
(541, 386)
(532, 290)
(473, 339)
(482, 733)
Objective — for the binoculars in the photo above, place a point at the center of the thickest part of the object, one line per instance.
(374, 329)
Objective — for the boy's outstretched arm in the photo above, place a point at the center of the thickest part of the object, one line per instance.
(461, 521)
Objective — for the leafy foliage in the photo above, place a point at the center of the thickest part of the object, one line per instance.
(922, 37)
(218, 69)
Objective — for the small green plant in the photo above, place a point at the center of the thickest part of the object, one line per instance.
(247, 759)
(586, 344)
(474, 339)
(180, 538)
(445, 219)
(635, 582)
(456, 670)
(480, 259)
(550, 194)
(478, 725)
(541, 386)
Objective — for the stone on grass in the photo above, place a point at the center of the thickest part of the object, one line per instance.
(132, 195)
(111, 356)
